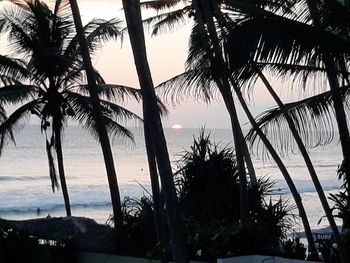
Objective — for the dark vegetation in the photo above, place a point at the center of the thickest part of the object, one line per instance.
(18, 246)
(211, 209)
(208, 192)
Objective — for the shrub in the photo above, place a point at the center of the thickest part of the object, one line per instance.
(208, 190)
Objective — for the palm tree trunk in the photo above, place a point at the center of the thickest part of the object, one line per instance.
(247, 157)
(225, 90)
(297, 199)
(340, 114)
(156, 193)
(249, 163)
(334, 85)
(239, 148)
(150, 108)
(309, 166)
(58, 147)
(100, 124)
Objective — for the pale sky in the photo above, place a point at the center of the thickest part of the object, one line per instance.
(167, 55)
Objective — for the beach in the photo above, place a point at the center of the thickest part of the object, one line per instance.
(25, 184)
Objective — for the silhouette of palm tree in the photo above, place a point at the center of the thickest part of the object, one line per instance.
(154, 130)
(47, 78)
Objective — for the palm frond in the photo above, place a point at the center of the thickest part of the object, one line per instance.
(198, 46)
(72, 77)
(335, 16)
(198, 80)
(97, 32)
(117, 131)
(26, 4)
(16, 22)
(190, 84)
(313, 118)
(163, 110)
(13, 94)
(299, 76)
(114, 92)
(160, 5)
(121, 93)
(13, 68)
(118, 113)
(168, 22)
(280, 40)
(62, 7)
(251, 8)
(15, 122)
(112, 114)
(3, 115)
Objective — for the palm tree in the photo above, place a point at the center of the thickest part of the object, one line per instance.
(196, 77)
(333, 80)
(154, 127)
(331, 69)
(50, 83)
(310, 168)
(98, 117)
(260, 49)
(207, 35)
(165, 21)
(287, 49)
(210, 41)
(156, 192)
(198, 83)
(204, 13)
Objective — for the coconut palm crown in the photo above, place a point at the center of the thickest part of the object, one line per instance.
(45, 77)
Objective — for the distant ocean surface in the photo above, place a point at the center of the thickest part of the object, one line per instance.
(25, 183)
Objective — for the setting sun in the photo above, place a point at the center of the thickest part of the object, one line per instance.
(176, 126)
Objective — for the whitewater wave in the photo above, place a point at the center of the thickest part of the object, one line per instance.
(306, 185)
(52, 207)
(318, 166)
(280, 190)
(303, 190)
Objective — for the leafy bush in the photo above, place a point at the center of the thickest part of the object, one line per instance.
(207, 182)
(208, 190)
(137, 236)
(208, 193)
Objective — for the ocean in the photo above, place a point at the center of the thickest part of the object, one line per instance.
(25, 184)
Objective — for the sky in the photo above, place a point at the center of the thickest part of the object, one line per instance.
(167, 54)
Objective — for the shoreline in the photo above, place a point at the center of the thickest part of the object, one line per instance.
(101, 213)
